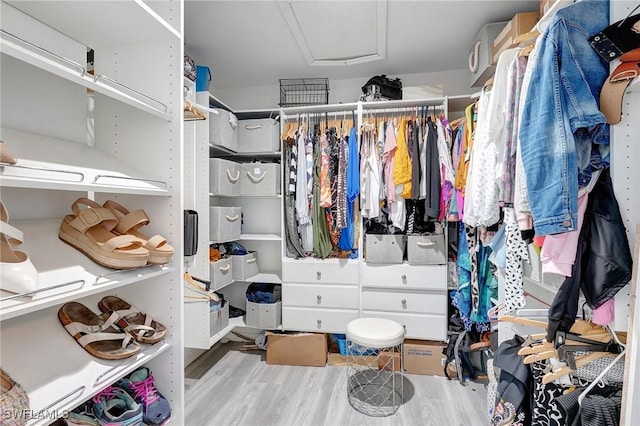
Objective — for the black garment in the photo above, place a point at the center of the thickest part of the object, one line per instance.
(601, 407)
(603, 261)
(545, 408)
(414, 150)
(432, 201)
(513, 402)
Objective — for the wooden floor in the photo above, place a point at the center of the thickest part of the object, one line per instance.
(228, 387)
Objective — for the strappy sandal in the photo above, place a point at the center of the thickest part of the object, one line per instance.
(160, 252)
(143, 328)
(89, 231)
(97, 334)
(17, 273)
(6, 156)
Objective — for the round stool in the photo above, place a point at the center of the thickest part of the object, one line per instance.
(374, 366)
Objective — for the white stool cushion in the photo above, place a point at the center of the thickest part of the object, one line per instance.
(375, 332)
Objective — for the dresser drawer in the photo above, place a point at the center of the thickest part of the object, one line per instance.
(428, 277)
(418, 326)
(323, 320)
(321, 272)
(401, 301)
(321, 296)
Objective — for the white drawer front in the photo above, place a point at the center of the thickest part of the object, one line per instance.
(320, 296)
(430, 277)
(321, 320)
(428, 327)
(321, 273)
(396, 301)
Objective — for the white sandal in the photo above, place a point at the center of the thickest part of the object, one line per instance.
(17, 273)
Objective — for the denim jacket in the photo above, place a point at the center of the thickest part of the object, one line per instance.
(561, 119)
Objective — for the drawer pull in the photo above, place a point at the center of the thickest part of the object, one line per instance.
(427, 244)
(318, 275)
(319, 323)
(404, 279)
(404, 303)
(231, 178)
(225, 268)
(319, 299)
(232, 218)
(256, 179)
(253, 127)
(252, 260)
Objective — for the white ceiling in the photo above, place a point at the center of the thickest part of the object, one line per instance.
(249, 43)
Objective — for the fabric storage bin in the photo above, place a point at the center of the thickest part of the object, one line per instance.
(382, 248)
(260, 179)
(221, 273)
(261, 135)
(426, 250)
(224, 177)
(481, 53)
(244, 266)
(267, 316)
(219, 320)
(223, 129)
(224, 224)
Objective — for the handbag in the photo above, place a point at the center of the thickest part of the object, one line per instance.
(618, 38)
(389, 89)
(190, 232)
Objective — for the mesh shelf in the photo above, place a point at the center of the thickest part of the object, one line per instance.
(304, 91)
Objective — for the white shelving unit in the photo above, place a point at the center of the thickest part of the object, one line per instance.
(115, 135)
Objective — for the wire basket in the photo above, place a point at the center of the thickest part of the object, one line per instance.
(304, 91)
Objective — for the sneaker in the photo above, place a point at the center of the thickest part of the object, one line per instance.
(140, 385)
(115, 407)
(83, 415)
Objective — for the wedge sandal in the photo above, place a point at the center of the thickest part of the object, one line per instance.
(160, 252)
(89, 231)
(143, 328)
(97, 334)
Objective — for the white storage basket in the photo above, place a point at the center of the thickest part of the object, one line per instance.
(260, 179)
(223, 130)
(221, 272)
(245, 266)
(382, 248)
(426, 250)
(224, 224)
(261, 135)
(224, 177)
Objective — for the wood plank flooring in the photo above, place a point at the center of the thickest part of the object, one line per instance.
(228, 387)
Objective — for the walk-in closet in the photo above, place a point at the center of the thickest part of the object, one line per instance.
(279, 212)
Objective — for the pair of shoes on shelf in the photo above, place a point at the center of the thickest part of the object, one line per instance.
(17, 273)
(113, 334)
(109, 235)
(6, 156)
(13, 400)
(132, 400)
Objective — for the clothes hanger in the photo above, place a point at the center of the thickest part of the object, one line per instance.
(526, 51)
(525, 38)
(198, 289)
(580, 362)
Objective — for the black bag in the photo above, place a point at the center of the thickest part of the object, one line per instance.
(190, 232)
(389, 89)
(618, 38)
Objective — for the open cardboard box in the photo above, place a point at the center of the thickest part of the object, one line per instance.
(307, 349)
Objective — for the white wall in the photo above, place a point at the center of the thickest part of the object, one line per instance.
(450, 83)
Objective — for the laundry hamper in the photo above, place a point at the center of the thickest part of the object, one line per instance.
(375, 388)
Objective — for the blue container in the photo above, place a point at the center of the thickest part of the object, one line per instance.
(203, 78)
(355, 349)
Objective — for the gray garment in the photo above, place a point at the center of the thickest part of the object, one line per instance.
(432, 200)
(341, 191)
(302, 203)
(415, 161)
(294, 249)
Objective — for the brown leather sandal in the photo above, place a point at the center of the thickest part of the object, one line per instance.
(89, 231)
(97, 334)
(160, 252)
(143, 328)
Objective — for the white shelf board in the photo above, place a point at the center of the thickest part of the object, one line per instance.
(217, 103)
(260, 237)
(25, 55)
(103, 23)
(233, 323)
(219, 150)
(63, 366)
(244, 196)
(69, 166)
(264, 277)
(315, 261)
(59, 263)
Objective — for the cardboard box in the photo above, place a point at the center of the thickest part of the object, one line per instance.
(334, 357)
(424, 357)
(520, 24)
(385, 362)
(545, 5)
(308, 349)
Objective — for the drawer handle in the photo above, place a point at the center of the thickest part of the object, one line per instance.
(231, 178)
(319, 323)
(404, 303)
(232, 218)
(256, 179)
(424, 245)
(404, 279)
(319, 299)
(318, 275)
(252, 260)
(225, 268)
(253, 127)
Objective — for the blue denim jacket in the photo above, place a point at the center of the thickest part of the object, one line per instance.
(561, 117)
